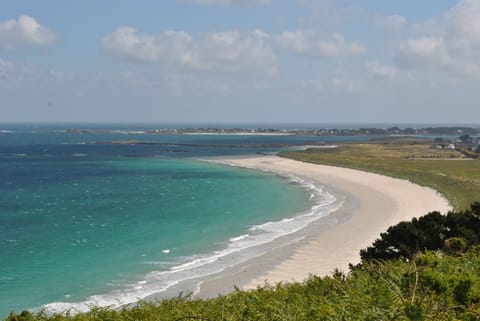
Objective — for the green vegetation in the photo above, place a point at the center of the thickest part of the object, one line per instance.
(429, 285)
(453, 232)
(448, 171)
(434, 286)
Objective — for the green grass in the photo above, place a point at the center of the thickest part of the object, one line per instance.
(449, 172)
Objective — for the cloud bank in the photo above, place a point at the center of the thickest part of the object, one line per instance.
(452, 44)
(310, 43)
(229, 51)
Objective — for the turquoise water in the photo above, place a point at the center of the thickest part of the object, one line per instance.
(71, 230)
(105, 224)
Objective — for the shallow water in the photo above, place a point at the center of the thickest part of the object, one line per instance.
(91, 223)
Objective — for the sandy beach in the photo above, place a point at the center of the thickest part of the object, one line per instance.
(372, 203)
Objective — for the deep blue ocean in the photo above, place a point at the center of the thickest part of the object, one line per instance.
(84, 223)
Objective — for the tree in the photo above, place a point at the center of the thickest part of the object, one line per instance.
(428, 232)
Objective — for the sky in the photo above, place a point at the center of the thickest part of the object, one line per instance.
(240, 61)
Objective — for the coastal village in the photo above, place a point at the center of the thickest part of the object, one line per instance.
(374, 131)
(463, 139)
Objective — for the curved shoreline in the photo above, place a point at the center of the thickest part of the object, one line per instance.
(373, 203)
(370, 203)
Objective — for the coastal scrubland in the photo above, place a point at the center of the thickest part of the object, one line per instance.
(439, 282)
(423, 162)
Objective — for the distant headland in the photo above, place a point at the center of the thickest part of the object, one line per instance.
(428, 131)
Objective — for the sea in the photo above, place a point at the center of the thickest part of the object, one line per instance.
(84, 221)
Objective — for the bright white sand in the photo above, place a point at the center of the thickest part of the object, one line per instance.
(380, 202)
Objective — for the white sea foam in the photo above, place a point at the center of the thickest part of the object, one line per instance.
(238, 249)
(239, 238)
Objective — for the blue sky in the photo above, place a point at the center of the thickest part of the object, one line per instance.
(237, 61)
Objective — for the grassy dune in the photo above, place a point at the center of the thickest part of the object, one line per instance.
(448, 171)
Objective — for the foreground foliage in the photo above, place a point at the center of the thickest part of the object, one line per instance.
(433, 286)
(452, 233)
(448, 171)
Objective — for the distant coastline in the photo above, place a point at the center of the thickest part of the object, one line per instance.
(392, 131)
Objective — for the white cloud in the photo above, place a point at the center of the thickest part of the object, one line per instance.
(24, 31)
(422, 52)
(376, 69)
(463, 27)
(337, 84)
(126, 42)
(227, 2)
(390, 22)
(310, 43)
(234, 51)
(230, 51)
(450, 44)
